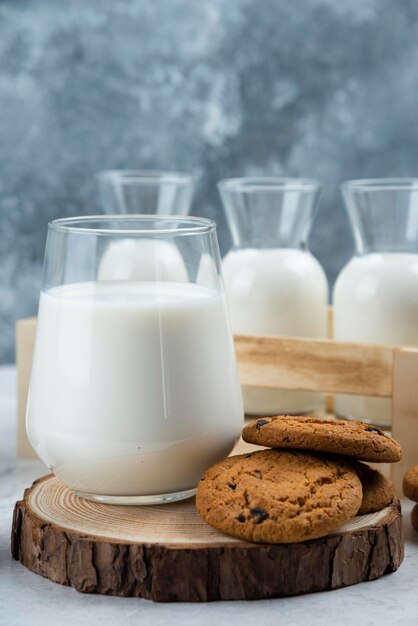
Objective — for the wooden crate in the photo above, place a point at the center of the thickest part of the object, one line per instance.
(327, 366)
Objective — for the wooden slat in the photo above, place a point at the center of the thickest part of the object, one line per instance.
(405, 411)
(329, 403)
(315, 365)
(25, 339)
(330, 322)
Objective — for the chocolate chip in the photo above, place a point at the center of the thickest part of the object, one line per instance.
(260, 514)
(247, 456)
(232, 486)
(375, 430)
(240, 518)
(260, 423)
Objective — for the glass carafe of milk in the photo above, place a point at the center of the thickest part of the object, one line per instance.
(376, 294)
(144, 192)
(273, 283)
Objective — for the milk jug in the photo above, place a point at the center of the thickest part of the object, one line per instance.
(274, 285)
(376, 294)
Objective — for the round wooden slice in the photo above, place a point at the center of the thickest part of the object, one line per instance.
(167, 553)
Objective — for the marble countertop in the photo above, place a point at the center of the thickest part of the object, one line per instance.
(28, 599)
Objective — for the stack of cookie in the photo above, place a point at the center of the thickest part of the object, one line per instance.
(309, 483)
(410, 489)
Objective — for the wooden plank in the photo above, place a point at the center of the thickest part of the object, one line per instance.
(330, 322)
(315, 365)
(405, 411)
(25, 339)
(329, 402)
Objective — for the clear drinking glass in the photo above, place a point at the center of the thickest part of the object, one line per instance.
(273, 283)
(146, 191)
(376, 294)
(134, 389)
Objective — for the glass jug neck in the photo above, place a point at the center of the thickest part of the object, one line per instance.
(269, 212)
(383, 214)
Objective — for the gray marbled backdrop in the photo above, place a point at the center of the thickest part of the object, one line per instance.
(319, 88)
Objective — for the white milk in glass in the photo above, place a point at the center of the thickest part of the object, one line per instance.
(376, 301)
(278, 291)
(134, 387)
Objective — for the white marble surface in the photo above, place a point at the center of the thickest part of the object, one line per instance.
(28, 599)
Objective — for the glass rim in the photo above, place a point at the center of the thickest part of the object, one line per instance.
(250, 184)
(147, 177)
(189, 225)
(380, 184)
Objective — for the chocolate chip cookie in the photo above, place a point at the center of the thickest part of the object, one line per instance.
(279, 496)
(378, 490)
(355, 439)
(410, 484)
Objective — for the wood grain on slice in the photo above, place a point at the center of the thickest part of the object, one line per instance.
(167, 553)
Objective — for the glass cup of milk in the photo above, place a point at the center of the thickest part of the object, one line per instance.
(376, 294)
(273, 283)
(145, 192)
(134, 389)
